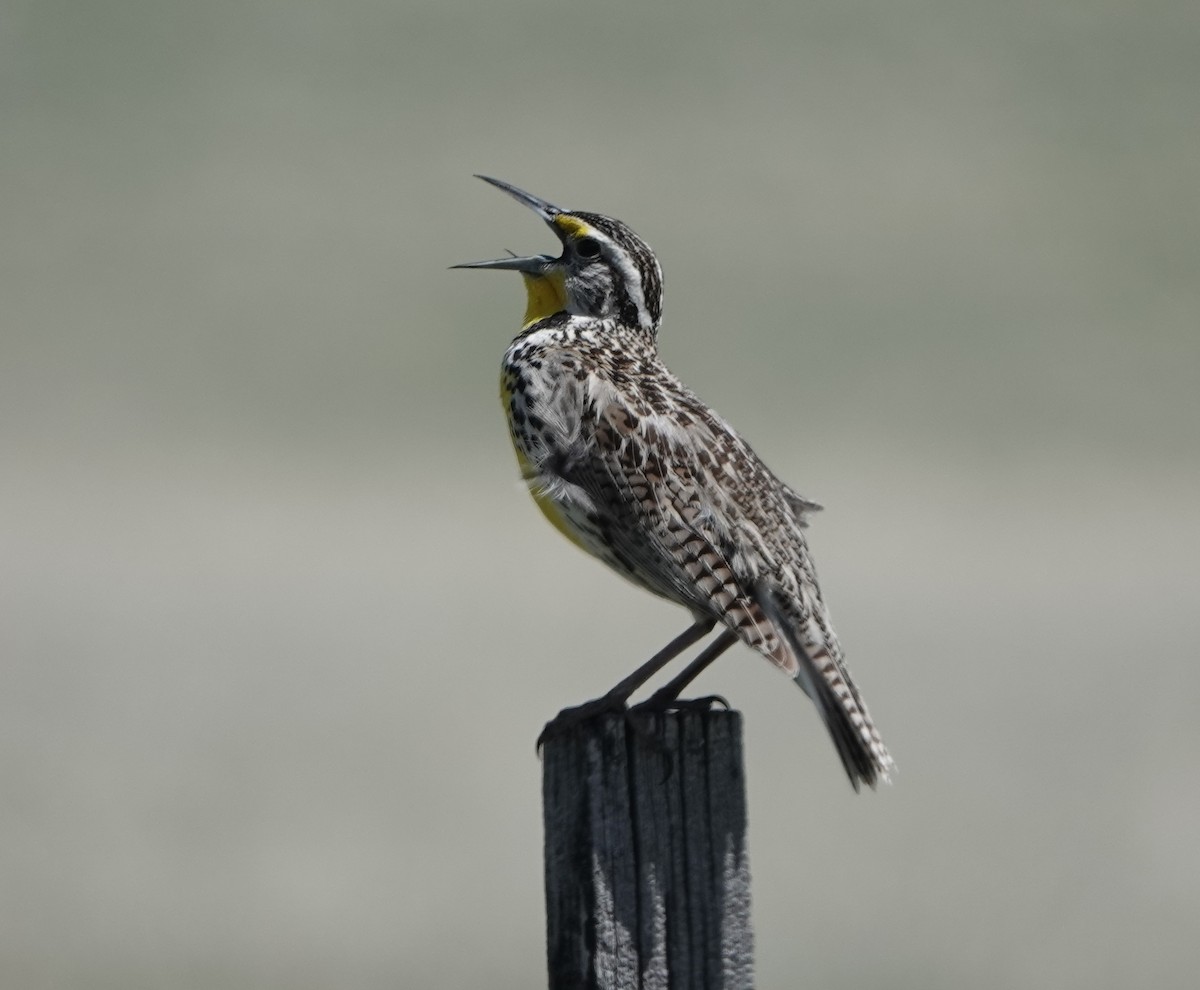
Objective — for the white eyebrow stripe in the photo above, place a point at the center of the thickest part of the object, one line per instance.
(630, 273)
(633, 280)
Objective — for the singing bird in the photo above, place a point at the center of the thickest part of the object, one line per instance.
(630, 465)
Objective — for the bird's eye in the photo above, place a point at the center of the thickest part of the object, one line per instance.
(587, 247)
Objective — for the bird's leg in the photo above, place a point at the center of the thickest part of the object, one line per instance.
(692, 634)
(615, 700)
(667, 696)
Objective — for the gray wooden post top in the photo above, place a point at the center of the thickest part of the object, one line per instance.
(647, 869)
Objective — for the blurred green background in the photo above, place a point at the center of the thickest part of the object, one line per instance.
(279, 626)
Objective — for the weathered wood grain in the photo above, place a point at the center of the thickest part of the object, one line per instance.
(647, 869)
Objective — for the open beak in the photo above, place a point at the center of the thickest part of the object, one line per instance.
(533, 264)
(547, 211)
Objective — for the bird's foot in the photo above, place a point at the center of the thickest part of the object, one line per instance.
(664, 701)
(659, 703)
(570, 719)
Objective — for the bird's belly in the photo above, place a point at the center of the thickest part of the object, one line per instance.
(528, 446)
(557, 514)
(546, 422)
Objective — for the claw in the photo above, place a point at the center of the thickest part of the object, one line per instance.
(571, 718)
(669, 703)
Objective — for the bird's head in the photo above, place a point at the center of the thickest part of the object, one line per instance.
(605, 270)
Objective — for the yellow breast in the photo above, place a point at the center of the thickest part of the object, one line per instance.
(550, 508)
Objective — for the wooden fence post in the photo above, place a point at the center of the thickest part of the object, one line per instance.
(647, 870)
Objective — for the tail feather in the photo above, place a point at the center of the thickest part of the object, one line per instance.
(827, 682)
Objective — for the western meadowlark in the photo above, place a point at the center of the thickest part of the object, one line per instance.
(630, 465)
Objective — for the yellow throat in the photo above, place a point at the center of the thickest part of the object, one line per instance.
(546, 296)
